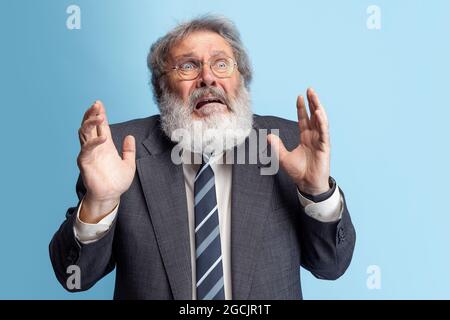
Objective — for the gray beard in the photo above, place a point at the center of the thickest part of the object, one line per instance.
(212, 134)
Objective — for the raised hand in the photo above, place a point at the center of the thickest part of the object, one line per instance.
(309, 163)
(106, 175)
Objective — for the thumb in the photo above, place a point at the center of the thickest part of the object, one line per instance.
(277, 146)
(129, 149)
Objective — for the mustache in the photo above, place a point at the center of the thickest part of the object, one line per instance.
(214, 92)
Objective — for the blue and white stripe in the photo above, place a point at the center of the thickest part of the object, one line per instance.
(209, 269)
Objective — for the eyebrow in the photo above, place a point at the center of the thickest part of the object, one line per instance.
(193, 55)
(219, 52)
(189, 54)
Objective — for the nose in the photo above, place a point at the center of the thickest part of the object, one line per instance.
(206, 78)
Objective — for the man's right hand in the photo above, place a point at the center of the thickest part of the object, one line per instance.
(106, 175)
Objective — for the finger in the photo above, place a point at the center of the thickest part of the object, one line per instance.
(278, 147)
(302, 115)
(103, 129)
(94, 109)
(88, 129)
(310, 95)
(315, 99)
(92, 143)
(315, 104)
(322, 125)
(129, 149)
(322, 109)
(90, 124)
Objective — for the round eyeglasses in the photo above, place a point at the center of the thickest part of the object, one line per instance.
(189, 68)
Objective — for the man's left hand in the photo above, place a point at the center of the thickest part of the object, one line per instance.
(309, 163)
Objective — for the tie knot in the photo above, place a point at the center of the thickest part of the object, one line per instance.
(206, 158)
(205, 165)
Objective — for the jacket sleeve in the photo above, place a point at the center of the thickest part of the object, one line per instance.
(327, 247)
(94, 260)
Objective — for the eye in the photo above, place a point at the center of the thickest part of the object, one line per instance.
(188, 66)
(221, 64)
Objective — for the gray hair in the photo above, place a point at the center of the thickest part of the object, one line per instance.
(159, 51)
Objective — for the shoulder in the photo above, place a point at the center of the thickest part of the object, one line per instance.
(267, 122)
(139, 128)
(288, 129)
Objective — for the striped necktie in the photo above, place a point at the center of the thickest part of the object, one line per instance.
(209, 270)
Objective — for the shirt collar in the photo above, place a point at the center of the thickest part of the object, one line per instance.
(195, 159)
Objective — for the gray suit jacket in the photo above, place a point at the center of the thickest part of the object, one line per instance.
(148, 243)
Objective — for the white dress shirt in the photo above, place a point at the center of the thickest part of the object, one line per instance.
(326, 211)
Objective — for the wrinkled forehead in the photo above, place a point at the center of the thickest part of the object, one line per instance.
(200, 45)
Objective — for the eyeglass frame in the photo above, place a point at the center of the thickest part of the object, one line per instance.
(202, 64)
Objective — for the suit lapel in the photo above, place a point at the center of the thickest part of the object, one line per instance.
(250, 197)
(164, 190)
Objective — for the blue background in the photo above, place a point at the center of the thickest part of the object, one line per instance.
(386, 93)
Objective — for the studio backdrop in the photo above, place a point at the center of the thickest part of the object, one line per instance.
(380, 67)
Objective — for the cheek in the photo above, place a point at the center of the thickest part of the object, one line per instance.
(183, 90)
(232, 86)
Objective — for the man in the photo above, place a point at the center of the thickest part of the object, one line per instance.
(209, 229)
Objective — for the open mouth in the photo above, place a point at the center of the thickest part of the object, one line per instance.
(207, 100)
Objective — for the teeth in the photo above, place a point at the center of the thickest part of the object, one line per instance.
(208, 100)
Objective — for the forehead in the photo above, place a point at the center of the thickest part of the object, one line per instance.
(201, 44)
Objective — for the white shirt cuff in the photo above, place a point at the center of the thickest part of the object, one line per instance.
(90, 232)
(329, 210)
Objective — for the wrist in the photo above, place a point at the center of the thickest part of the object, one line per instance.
(314, 190)
(93, 210)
